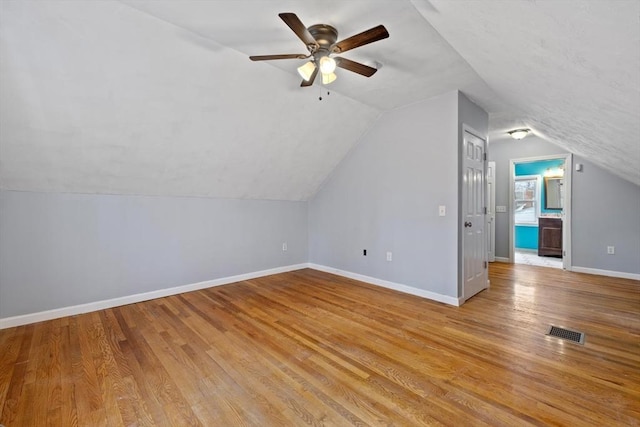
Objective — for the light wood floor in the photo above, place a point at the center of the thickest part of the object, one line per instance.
(309, 348)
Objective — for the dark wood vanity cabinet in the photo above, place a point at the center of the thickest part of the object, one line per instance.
(550, 237)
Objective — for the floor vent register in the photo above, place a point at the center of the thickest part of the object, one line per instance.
(566, 334)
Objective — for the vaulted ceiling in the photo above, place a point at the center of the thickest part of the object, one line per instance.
(159, 97)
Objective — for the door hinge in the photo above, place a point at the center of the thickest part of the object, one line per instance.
(485, 264)
(484, 156)
(485, 210)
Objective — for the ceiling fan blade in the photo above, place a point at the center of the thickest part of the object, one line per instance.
(356, 67)
(371, 35)
(306, 83)
(285, 56)
(292, 20)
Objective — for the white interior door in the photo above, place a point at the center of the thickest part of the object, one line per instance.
(491, 211)
(474, 266)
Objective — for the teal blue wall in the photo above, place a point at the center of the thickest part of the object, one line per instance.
(539, 168)
(526, 237)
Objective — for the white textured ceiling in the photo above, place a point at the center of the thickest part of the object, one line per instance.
(160, 98)
(570, 69)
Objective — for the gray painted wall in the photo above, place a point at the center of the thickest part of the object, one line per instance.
(472, 115)
(605, 209)
(606, 212)
(59, 250)
(385, 194)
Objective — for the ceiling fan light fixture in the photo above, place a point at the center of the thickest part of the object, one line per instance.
(519, 133)
(306, 70)
(321, 42)
(327, 65)
(328, 78)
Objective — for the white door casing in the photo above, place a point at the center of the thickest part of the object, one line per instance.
(474, 246)
(566, 212)
(491, 211)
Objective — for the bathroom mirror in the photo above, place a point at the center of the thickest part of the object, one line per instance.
(553, 192)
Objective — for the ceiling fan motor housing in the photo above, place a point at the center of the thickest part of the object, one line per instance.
(326, 36)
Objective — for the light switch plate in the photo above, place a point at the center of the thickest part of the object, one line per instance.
(501, 209)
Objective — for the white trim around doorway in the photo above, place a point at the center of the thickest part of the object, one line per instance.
(566, 216)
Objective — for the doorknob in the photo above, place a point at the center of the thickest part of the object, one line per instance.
(467, 224)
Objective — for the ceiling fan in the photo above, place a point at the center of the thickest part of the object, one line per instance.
(320, 40)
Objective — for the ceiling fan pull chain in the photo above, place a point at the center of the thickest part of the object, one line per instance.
(320, 97)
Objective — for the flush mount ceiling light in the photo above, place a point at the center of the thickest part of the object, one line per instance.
(519, 133)
(321, 40)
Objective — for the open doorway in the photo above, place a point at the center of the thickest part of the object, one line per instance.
(540, 221)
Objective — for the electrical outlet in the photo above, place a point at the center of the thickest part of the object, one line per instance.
(442, 210)
(611, 250)
(389, 256)
(284, 247)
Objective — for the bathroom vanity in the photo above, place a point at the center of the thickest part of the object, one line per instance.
(550, 236)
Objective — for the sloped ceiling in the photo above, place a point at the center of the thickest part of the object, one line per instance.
(570, 70)
(160, 98)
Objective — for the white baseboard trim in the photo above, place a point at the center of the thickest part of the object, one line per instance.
(9, 322)
(501, 259)
(619, 274)
(390, 285)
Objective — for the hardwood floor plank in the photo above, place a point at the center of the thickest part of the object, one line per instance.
(184, 354)
(311, 348)
(324, 410)
(150, 376)
(108, 374)
(90, 406)
(14, 395)
(285, 393)
(10, 345)
(315, 374)
(69, 415)
(54, 375)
